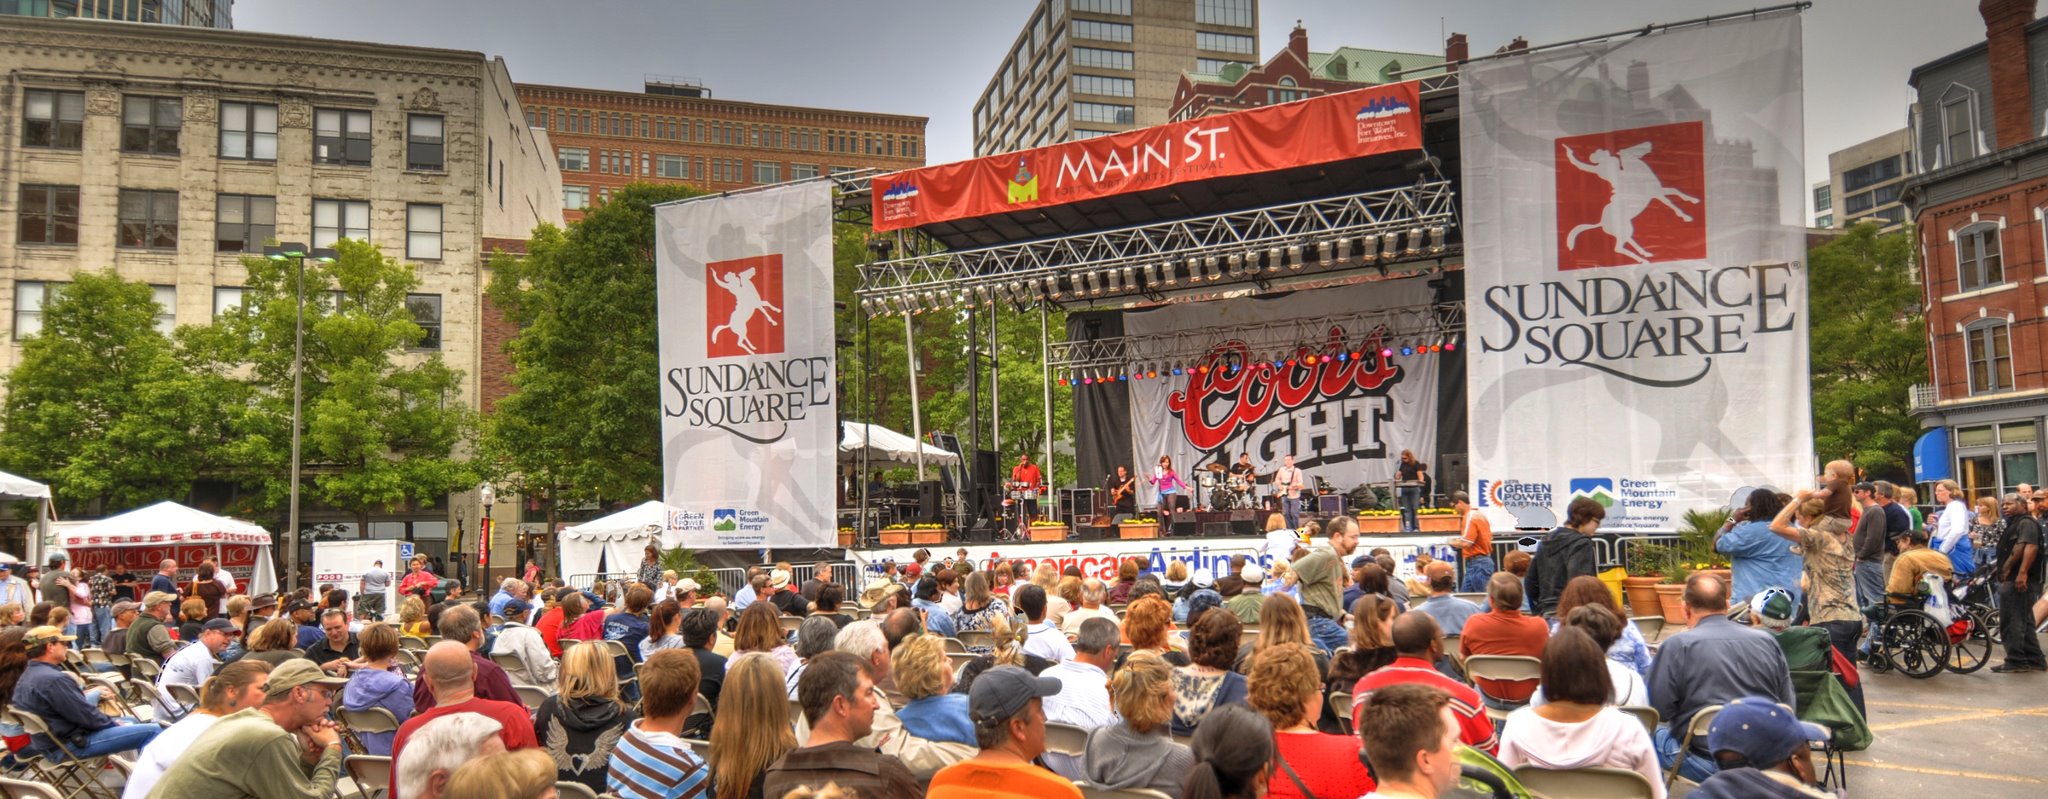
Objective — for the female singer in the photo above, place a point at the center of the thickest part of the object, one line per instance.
(1410, 472)
(1171, 490)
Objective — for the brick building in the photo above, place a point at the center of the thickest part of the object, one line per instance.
(1977, 203)
(1296, 73)
(675, 132)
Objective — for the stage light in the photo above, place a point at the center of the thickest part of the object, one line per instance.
(1293, 256)
(1063, 382)
(959, 296)
(1236, 263)
(1451, 343)
(1172, 272)
(1354, 355)
(1155, 275)
(1251, 264)
(1367, 253)
(1387, 352)
(1094, 281)
(1325, 253)
(1390, 245)
(1414, 241)
(1436, 348)
(1407, 350)
(1130, 278)
(1052, 287)
(1176, 371)
(1436, 239)
(1343, 251)
(1211, 270)
(1310, 360)
(1087, 381)
(1123, 377)
(1151, 375)
(1273, 259)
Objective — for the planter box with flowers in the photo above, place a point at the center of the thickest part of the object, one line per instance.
(1138, 527)
(898, 535)
(1432, 520)
(846, 536)
(1048, 531)
(1656, 582)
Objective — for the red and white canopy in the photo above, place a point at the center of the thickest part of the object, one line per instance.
(165, 523)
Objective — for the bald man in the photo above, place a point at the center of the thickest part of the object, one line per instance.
(450, 673)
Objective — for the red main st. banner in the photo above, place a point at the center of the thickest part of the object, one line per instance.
(1318, 130)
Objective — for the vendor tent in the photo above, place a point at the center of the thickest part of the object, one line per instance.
(14, 488)
(138, 540)
(615, 540)
(888, 447)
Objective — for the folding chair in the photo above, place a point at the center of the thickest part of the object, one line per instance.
(976, 638)
(149, 697)
(1592, 782)
(187, 696)
(567, 643)
(790, 623)
(701, 747)
(570, 789)
(1648, 715)
(75, 776)
(513, 666)
(369, 719)
(431, 639)
(617, 649)
(23, 789)
(1089, 791)
(370, 773)
(145, 668)
(954, 645)
(1340, 704)
(702, 707)
(1652, 627)
(1505, 668)
(1065, 739)
(408, 661)
(412, 642)
(1702, 720)
(531, 696)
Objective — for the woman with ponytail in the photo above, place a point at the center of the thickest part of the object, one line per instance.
(1233, 755)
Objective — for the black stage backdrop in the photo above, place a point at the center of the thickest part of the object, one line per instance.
(1102, 418)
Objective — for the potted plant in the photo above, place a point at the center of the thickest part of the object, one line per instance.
(927, 533)
(846, 536)
(1664, 567)
(896, 535)
(684, 563)
(1047, 530)
(1138, 527)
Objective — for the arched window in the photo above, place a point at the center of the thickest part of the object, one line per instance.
(1980, 260)
(1987, 347)
(1286, 81)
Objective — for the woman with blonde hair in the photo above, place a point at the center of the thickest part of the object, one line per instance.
(925, 676)
(752, 729)
(1281, 621)
(1984, 532)
(1008, 651)
(412, 618)
(979, 609)
(1951, 534)
(272, 642)
(1284, 691)
(1048, 578)
(191, 615)
(1139, 753)
(760, 630)
(585, 718)
(1910, 500)
(524, 774)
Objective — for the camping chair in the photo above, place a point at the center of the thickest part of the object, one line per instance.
(1089, 791)
(370, 773)
(75, 776)
(1066, 739)
(1648, 715)
(1504, 668)
(1340, 704)
(1593, 782)
(1702, 720)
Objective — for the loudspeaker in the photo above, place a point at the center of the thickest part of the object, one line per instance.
(928, 497)
(1216, 529)
(1330, 505)
(1454, 475)
(982, 532)
(1184, 528)
(1241, 523)
(985, 469)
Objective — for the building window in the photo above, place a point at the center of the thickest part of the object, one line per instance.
(248, 131)
(227, 300)
(245, 222)
(423, 142)
(1105, 113)
(1979, 258)
(1857, 203)
(1105, 86)
(1225, 43)
(575, 198)
(53, 119)
(1959, 128)
(150, 124)
(1215, 66)
(423, 232)
(573, 159)
(1824, 221)
(1084, 133)
(1871, 173)
(1823, 198)
(1122, 7)
(149, 219)
(426, 312)
(672, 166)
(1098, 58)
(802, 171)
(341, 138)
(1234, 13)
(166, 308)
(1988, 347)
(48, 214)
(1102, 31)
(767, 172)
(29, 298)
(334, 220)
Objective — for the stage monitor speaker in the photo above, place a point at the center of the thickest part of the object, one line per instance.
(1330, 505)
(1242, 522)
(929, 496)
(1185, 527)
(1454, 476)
(1211, 529)
(982, 532)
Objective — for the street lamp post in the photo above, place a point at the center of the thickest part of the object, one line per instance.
(297, 253)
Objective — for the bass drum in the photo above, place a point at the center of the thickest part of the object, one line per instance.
(1227, 500)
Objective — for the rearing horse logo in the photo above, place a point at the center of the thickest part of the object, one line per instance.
(752, 293)
(1615, 189)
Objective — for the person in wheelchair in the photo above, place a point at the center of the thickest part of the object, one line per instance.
(1915, 560)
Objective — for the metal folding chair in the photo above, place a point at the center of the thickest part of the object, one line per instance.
(23, 789)
(1702, 720)
(569, 789)
(1089, 791)
(370, 773)
(1652, 627)
(1648, 715)
(531, 696)
(976, 638)
(75, 777)
(1593, 782)
(1065, 739)
(1505, 668)
(1340, 704)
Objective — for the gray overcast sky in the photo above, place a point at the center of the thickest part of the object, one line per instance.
(933, 57)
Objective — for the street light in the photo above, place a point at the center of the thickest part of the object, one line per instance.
(296, 252)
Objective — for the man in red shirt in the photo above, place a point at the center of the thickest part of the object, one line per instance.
(1504, 630)
(1475, 545)
(419, 580)
(448, 668)
(460, 625)
(1419, 644)
(1027, 472)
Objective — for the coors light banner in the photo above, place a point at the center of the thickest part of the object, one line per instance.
(1344, 421)
(749, 424)
(1639, 336)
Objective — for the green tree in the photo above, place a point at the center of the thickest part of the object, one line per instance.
(382, 422)
(583, 421)
(1868, 348)
(106, 407)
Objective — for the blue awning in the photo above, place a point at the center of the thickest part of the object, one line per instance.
(1930, 457)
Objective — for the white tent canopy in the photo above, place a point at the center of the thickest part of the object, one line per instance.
(170, 527)
(616, 539)
(888, 447)
(18, 488)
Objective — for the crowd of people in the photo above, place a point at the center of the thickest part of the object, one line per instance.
(1318, 674)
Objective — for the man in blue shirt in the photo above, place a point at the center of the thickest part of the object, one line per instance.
(757, 584)
(166, 579)
(1714, 662)
(926, 601)
(1758, 558)
(1450, 612)
(47, 691)
(512, 588)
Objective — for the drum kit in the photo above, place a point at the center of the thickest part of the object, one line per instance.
(1226, 491)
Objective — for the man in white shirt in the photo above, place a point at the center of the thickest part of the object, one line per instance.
(1093, 592)
(223, 576)
(14, 590)
(238, 686)
(516, 638)
(1083, 700)
(1044, 639)
(194, 663)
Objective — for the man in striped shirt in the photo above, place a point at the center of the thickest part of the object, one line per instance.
(1418, 644)
(653, 761)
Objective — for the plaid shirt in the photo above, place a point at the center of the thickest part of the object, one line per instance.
(102, 590)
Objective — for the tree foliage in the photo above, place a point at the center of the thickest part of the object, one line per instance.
(1868, 349)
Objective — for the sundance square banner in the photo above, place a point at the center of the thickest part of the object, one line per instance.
(749, 421)
(1635, 276)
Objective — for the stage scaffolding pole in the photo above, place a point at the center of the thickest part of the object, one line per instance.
(1045, 374)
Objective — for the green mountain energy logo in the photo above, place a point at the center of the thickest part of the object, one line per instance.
(725, 520)
(1598, 489)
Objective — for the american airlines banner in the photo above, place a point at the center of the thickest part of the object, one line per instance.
(1635, 276)
(1343, 420)
(1318, 130)
(749, 422)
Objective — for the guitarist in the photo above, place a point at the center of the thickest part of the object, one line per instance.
(1123, 491)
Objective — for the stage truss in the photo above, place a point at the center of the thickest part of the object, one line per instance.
(1385, 333)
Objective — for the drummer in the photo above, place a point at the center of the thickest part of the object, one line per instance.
(1243, 476)
(1026, 478)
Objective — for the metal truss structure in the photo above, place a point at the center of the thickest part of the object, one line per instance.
(1255, 246)
(1416, 330)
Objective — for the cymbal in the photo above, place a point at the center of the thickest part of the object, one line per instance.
(1216, 467)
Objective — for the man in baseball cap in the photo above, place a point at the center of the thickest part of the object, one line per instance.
(1006, 704)
(149, 635)
(264, 752)
(1762, 749)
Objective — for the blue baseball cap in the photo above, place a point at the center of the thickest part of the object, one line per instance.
(1762, 731)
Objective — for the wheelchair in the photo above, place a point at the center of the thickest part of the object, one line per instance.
(1925, 634)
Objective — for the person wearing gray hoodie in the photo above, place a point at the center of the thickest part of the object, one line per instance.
(1139, 753)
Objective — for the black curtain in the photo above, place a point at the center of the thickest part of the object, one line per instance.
(1102, 416)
